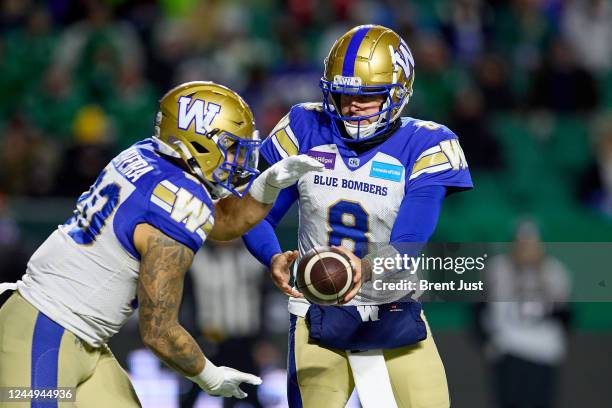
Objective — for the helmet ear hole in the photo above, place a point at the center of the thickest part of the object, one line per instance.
(199, 148)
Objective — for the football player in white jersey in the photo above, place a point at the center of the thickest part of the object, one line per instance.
(384, 182)
(128, 245)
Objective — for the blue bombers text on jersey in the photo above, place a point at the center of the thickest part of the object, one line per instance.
(356, 200)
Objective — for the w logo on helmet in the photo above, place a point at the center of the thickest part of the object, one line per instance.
(203, 113)
(403, 58)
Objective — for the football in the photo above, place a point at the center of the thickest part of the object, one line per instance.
(324, 275)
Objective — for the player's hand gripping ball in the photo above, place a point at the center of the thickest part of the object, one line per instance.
(325, 275)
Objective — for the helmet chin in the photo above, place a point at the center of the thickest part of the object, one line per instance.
(217, 191)
(360, 131)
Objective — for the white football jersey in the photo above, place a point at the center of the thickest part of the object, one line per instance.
(356, 200)
(348, 208)
(85, 275)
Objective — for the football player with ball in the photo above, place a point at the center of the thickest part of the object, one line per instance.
(128, 245)
(385, 178)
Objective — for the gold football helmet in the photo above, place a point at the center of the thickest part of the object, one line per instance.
(368, 60)
(211, 128)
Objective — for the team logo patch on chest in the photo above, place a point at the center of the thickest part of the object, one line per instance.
(386, 171)
(354, 162)
(328, 159)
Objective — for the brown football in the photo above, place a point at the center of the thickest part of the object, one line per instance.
(324, 275)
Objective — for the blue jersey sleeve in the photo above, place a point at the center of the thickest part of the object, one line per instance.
(261, 241)
(416, 219)
(164, 196)
(181, 209)
(439, 160)
(418, 215)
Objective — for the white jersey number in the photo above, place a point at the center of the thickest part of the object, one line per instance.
(92, 210)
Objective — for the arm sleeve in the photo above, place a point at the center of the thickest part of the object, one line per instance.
(415, 222)
(418, 215)
(261, 241)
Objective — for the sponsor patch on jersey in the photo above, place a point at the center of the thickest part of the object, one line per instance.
(328, 159)
(386, 171)
(354, 162)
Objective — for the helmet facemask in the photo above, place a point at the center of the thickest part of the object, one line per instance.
(395, 98)
(238, 169)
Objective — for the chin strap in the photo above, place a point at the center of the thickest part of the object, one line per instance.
(361, 146)
(362, 131)
(216, 191)
(355, 131)
(165, 148)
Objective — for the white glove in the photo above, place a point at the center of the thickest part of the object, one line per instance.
(282, 174)
(223, 381)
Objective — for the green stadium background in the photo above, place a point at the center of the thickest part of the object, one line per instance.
(515, 75)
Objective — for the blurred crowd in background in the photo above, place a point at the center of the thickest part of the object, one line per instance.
(526, 85)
